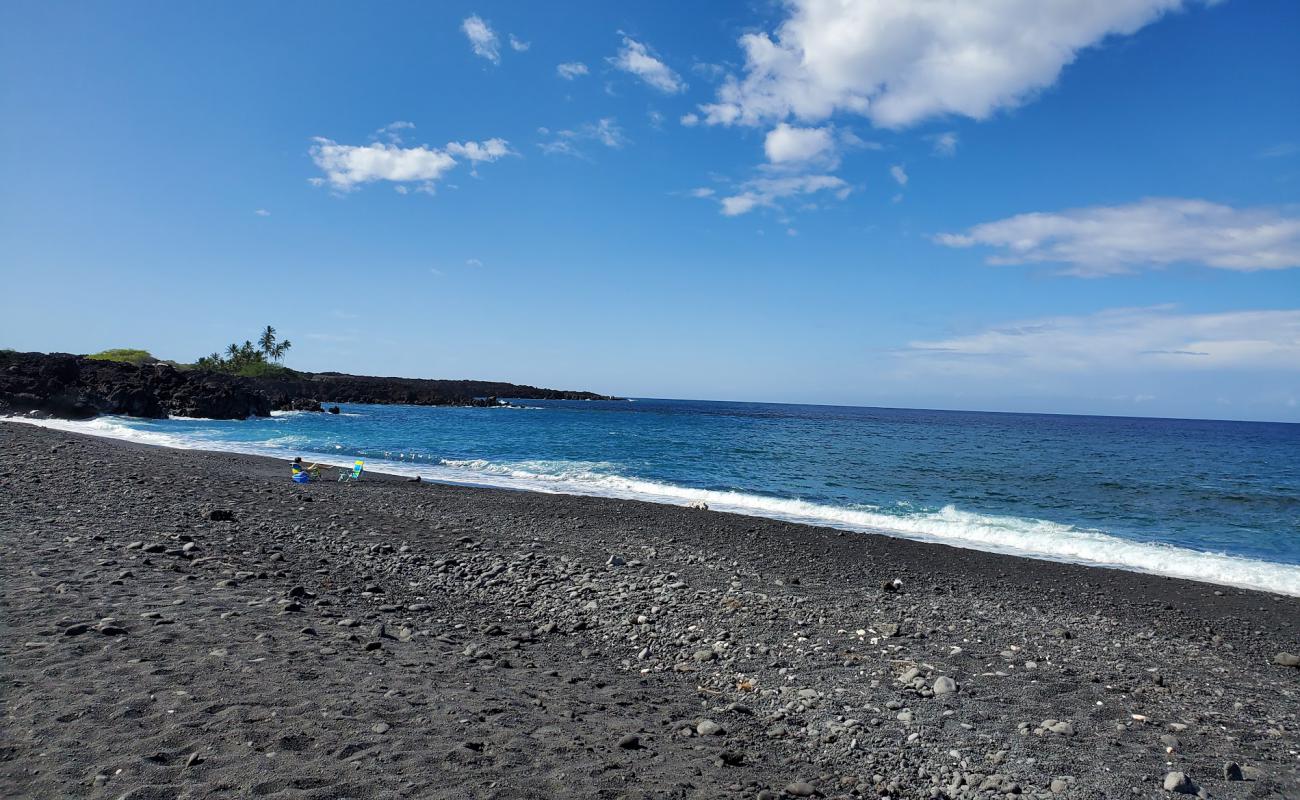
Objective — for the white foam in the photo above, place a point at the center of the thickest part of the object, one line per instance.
(1032, 538)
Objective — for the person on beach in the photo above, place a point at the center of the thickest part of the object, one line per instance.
(304, 474)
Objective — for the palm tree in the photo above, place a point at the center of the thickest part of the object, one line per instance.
(278, 351)
(267, 342)
(232, 350)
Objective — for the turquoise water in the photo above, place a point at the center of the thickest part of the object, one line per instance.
(1217, 501)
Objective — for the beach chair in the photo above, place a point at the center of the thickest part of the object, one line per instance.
(354, 475)
(301, 475)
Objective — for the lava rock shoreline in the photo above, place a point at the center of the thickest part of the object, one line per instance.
(76, 387)
(189, 624)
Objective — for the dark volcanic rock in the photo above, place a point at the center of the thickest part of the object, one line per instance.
(76, 387)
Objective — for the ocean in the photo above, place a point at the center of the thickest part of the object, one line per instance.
(1211, 501)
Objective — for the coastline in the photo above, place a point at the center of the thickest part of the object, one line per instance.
(1010, 536)
(433, 640)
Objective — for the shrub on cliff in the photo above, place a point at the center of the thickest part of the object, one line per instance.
(125, 355)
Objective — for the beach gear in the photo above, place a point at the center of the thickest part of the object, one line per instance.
(355, 474)
(303, 475)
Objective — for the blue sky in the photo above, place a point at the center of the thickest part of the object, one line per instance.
(1079, 207)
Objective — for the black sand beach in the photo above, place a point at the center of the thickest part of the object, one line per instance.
(179, 624)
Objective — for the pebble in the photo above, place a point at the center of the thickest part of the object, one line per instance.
(1232, 772)
(800, 789)
(944, 685)
(708, 727)
(1285, 659)
(1179, 783)
(630, 742)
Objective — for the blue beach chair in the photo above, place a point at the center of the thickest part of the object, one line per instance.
(354, 475)
(303, 474)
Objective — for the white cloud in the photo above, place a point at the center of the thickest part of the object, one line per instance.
(1155, 232)
(765, 192)
(690, 120)
(482, 38)
(1131, 340)
(944, 144)
(702, 191)
(899, 62)
(899, 174)
(636, 58)
(786, 143)
(606, 131)
(348, 166)
(518, 45)
(262, 212)
(571, 70)
(473, 262)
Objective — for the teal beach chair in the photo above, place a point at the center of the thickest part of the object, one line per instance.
(354, 475)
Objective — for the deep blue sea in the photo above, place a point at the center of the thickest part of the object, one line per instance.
(1214, 501)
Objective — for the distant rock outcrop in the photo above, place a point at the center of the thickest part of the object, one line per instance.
(76, 387)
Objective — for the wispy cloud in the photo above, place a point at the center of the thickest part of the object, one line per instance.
(262, 212)
(1155, 232)
(571, 70)
(1280, 150)
(482, 38)
(944, 145)
(518, 45)
(1125, 340)
(346, 167)
(898, 174)
(637, 59)
(768, 192)
(606, 131)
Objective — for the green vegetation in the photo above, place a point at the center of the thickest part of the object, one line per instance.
(249, 360)
(126, 355)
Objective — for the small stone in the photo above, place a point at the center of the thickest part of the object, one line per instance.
(380, 727)
(887, 629)
(1285, 659)
(944, 685)
(220, 515)
(1059, 785)
(1179, 783)
(708, 727)
(800, 789)
(76, 630)
(630, 742)
(194, 758)
(1061, 728)
(1232, 772)
(705, 655)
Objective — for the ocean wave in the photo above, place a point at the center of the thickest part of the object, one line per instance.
(1033, 538)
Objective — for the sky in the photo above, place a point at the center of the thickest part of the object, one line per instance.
(1078, 206)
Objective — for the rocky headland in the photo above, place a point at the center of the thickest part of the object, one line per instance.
(181, 624)
(76, 387)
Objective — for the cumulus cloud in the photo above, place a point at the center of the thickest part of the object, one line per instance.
(635, 58)
(785, 144)
(767, 192)
(482, 38)
(1125, 340)
(690, 120)
(899, 174)
(1155, 232)
(571, 70)
(346, 166)
(518, 45)
(899, 62)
